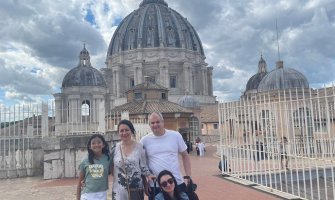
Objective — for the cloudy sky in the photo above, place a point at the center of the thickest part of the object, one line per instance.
(40, 40)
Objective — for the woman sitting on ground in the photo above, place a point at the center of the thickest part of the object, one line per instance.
(167, 183)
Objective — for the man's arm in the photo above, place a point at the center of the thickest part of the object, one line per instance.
(186, 164)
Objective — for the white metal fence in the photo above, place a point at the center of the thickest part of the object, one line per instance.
(254, 149)
(20, 133)
(23, 127)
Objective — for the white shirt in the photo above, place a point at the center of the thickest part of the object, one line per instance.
(162, 152)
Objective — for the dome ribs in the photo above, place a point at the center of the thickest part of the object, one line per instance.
(154, 25)
(141, 27)
(160, 26)
(179, 32)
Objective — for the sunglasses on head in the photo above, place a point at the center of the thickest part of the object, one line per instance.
(165, 183)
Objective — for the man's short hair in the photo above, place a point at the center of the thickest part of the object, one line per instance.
(157, 113)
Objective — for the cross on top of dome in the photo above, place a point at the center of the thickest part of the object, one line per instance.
(144, 2)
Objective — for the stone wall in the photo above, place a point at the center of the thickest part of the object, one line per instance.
(62, 155)
(23, 157)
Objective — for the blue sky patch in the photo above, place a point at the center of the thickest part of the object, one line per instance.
(90, 17)
(117, 21)
(34, 70)
(106, 8)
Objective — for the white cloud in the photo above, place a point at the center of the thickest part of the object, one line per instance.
(42, 39)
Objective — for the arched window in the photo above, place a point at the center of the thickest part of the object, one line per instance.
(85, 108)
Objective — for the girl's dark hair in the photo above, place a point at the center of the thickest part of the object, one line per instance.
(176, 192)
(105, 150)
(128, 123)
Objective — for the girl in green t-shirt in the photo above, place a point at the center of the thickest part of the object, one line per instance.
(94, 170)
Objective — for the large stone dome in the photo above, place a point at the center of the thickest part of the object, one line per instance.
(283, 78)
(155, 42)
(84, 74)
(153, 25)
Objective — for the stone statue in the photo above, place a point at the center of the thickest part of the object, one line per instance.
(29, 158)
(18, 158)
(8, 160)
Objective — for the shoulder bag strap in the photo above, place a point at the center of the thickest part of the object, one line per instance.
(125, 172)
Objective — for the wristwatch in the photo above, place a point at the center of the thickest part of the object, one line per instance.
(187, 177)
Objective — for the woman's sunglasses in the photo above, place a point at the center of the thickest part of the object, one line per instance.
(165, 183)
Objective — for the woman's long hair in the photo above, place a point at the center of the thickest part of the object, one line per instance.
(176, 192)
(127, 123)
(105, 150)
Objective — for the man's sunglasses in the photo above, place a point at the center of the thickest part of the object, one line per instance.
(165, 183)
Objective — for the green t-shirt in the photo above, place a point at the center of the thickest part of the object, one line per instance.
(96, 175)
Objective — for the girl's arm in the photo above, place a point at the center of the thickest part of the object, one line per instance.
(80, 184)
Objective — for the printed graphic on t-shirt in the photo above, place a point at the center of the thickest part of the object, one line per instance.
(96, 170)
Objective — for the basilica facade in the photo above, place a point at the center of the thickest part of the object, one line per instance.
(155, 44)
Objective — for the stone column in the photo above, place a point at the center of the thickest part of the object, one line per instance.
(61, 115)
(70, 111)
(164, 73)
(45, 120)
(116, 86)
(202, 74)
(58, 108)
(204, 81)
(101, 115)
(98, 103)
(74, 109)
(210, 81)
(93, 110)
(187, 79)
(191, 82)
(138, 73)
(114, 82)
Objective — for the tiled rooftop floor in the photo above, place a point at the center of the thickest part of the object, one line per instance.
(211, 185)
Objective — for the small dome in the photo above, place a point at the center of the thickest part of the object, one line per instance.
(154, 25)
(84, 74)
(254, 81)
(283, 78)
(188, 101)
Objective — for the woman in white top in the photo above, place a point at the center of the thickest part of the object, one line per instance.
(129, 164)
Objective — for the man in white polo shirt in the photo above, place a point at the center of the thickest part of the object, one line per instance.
(163, 148)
